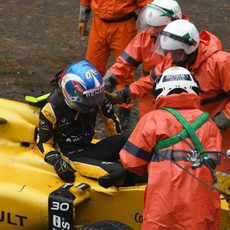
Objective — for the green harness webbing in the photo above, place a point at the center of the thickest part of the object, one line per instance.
(189, 130)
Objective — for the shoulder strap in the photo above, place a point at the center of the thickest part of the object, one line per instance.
(188, 131)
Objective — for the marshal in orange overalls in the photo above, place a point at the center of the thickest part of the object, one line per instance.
(211, 70)
(113, 26)
(173, 199)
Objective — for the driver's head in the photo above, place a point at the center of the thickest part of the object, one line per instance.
(82, 87)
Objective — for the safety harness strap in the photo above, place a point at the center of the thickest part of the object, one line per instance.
(188, 131)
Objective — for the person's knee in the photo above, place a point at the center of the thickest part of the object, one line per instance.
(115, 177)
(123, 137)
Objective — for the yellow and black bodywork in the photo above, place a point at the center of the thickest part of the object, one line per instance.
(33, 197)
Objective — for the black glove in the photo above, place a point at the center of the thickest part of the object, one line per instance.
(115, 98)
(110, 81)
(222, 121)
(211, 159)
(61, 166)
(119, 96)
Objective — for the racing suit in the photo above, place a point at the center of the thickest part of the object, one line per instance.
(211, 70)
(173, 199)
(113, 26)
(71, 132)
(139, 51)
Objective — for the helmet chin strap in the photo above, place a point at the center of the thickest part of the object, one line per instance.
(188, 61)
(179, 56)
(191, 58)
(78, 110)
(182, 63)
(71, 106)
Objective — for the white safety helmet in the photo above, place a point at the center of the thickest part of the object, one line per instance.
(175, 80)
(180, 35)
(158, 13)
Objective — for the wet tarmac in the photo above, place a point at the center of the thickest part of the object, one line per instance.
(39, 38)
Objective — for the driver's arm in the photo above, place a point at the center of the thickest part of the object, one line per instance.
(109, 118)
(45, 140)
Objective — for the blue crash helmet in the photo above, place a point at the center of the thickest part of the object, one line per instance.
(82, 86)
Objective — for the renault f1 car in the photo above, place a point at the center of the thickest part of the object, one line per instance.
(32, 196)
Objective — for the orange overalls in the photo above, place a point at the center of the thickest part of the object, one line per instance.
(211, 70)
(113, 26)
(173, 198)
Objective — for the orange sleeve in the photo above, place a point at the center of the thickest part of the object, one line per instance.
(142, 3)
(86, 3)
(222, 69)
(141, 87)
(144, 85)
(137, 152)
(129, 60)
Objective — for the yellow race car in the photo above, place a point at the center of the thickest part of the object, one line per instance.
(33, 197)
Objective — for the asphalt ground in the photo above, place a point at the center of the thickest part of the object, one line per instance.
(39, 38)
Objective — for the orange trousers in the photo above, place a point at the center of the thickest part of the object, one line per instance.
(106, 38)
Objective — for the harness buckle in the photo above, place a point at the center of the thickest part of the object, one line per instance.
(193, 156)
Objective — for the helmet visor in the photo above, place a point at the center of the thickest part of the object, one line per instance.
(86, 101)
(93, 96)
(172, 45)
(157, 49)
(172, 42)
(153, 16)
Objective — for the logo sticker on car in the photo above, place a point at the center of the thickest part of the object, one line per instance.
(61, 210)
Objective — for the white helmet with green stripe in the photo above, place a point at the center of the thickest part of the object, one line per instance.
(180, 35)
(158, 13)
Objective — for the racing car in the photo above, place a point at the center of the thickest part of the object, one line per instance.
(32, 196)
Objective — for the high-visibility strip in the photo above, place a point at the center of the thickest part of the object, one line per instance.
(153, 75)
(137, 152)
(145, 73)
(213, 99)
(130, 59)
(169, 154)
